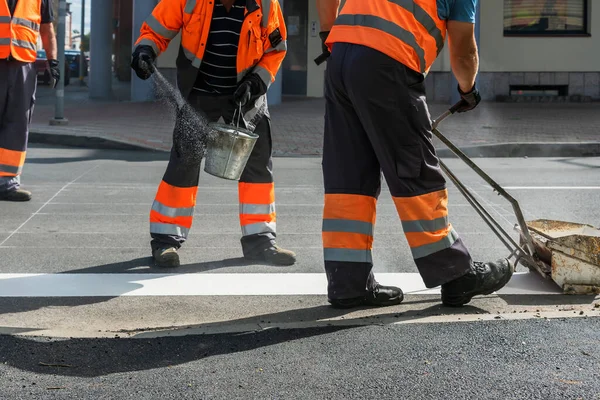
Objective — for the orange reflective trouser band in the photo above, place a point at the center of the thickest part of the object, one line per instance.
(257, 208)
(356, 150)
(172, 212)
(18, 84)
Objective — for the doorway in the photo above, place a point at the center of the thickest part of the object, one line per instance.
(294, 66)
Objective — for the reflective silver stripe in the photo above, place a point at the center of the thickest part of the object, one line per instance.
(344, 225)
(261, 209)
(264, 75)
(371, 21)
(168, 229)
(4, 41)
(242, 74)
(159, 28)
(10, 169)
(266, 10)
(24, 44)
(260, 227)
(5, 20)
(192, 57)
(428, 249)
(425, 225)
(424, 19)
(171, 211)
(189, 6)
(282, 46)
(27, 23)
(348, 255)
(148, 42)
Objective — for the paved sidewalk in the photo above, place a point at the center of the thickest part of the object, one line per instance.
(298, 125)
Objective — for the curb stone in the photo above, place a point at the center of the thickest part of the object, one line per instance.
(509, 150)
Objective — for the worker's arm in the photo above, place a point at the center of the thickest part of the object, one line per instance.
(273, 56)
(49, 41)
(328, 12)
(162, 25)
(156, 33)
(464, 58)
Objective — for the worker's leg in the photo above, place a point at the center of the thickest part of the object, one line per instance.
(256, 191)
(396, 124)
(392, 107)
(17, 96)
(352, 180)
(172, 212)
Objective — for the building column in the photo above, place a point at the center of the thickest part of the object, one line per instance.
(141, 90)
(100, 80)
(123, 49)
(454, 96)
(274, 92)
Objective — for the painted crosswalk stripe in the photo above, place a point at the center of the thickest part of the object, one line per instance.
(221, 284)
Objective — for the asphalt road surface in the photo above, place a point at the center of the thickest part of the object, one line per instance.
(84, 314)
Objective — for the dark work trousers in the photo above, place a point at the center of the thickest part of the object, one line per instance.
(18, 81)
(376, 121)
(181, 173)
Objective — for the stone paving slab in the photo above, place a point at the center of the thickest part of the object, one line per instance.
(298, 126)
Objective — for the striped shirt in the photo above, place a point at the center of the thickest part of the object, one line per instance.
(217, 72)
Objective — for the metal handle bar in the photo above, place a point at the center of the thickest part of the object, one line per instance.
(321, 58)
(530, 255)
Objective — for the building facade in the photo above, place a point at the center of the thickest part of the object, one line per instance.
(528, 49)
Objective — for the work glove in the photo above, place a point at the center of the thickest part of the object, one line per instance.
(469, 99)
(250, 87)
(54, 72)
(142, 62)
(324, 49)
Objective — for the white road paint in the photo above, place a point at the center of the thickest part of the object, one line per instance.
(216, 284)
(48, 202)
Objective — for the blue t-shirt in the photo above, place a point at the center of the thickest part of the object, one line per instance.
(457, 10)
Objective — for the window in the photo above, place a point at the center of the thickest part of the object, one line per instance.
(545, 17)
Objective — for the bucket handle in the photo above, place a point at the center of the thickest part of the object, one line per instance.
(239, 114)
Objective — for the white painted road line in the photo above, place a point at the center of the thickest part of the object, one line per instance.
(552, 188)
(46, 203)
(198, 284)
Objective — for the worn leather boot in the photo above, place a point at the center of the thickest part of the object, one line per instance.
(166, 257)
(271, 254)
(380, 296)
(16, 195)
(482, 279)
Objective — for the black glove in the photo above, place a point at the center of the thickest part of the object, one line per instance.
(250, 87)
(324, 50)
(54, 72)
(143, 61)
(469, 99)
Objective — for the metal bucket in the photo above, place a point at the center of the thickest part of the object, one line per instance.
(228, 150)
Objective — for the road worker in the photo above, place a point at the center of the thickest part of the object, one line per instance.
(376, 119)
(21, 23)
(229, 55)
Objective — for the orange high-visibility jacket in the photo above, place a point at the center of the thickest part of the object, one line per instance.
(409, 31)
(261, 48)
(19, 32)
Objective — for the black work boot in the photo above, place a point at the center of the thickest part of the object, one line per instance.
(380, 296)
(16, 195)
(166, 257)
(483, 279)
(270, 253)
